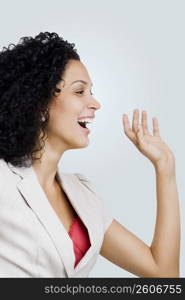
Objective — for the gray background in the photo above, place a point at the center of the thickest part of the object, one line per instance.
(135, 54)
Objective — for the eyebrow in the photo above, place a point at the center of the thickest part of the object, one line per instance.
(82, 81)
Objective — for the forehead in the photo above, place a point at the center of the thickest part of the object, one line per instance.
(76, 70)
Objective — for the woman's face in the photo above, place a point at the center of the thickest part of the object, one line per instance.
(73, 102)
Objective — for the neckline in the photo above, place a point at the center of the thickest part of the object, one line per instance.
(72, 223)
(66, 184)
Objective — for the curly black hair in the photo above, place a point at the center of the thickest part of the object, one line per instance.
(29, 74)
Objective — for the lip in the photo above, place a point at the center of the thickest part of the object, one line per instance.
(84, 117)
(85, 130)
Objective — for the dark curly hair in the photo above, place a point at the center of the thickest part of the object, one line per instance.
(29, 73)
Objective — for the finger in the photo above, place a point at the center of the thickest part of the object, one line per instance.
(127, 129)
(155, 127)
(135, 121)
(144, 122)
(140, 135)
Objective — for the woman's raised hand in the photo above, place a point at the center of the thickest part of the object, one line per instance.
(150, 145)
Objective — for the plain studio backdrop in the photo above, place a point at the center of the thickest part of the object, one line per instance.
(134, 51)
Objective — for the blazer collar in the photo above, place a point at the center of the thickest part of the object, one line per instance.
(35, 196)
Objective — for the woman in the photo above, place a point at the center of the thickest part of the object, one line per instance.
(53, 224)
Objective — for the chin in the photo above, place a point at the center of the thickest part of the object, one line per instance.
(82, 145)
(78, 145)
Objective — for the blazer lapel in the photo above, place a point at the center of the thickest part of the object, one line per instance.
(78, 195)
(34, 195)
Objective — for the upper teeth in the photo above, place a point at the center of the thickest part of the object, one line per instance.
(86, 120)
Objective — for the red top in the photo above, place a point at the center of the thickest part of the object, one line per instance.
(80, 238)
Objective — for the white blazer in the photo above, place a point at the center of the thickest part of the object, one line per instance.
(33, 241)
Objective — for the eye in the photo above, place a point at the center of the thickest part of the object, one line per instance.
(81, 92)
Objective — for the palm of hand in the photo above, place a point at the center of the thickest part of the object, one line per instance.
(151, 146)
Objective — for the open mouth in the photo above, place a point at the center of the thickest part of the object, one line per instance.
(82, 124)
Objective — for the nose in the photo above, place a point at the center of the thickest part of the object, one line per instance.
(94, 103)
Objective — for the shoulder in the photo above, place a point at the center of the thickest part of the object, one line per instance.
(3, 168)
(86, 182)
(89, 184)
(106, 216)
(1, 183)
(7, 179)
(2, 175)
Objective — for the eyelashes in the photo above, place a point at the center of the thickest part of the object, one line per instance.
(81, 92)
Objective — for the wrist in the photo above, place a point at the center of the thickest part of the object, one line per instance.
(165, 166)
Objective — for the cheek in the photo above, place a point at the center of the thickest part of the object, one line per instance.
(69, 105)
(64, 115)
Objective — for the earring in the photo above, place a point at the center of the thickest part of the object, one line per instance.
(43, 117)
